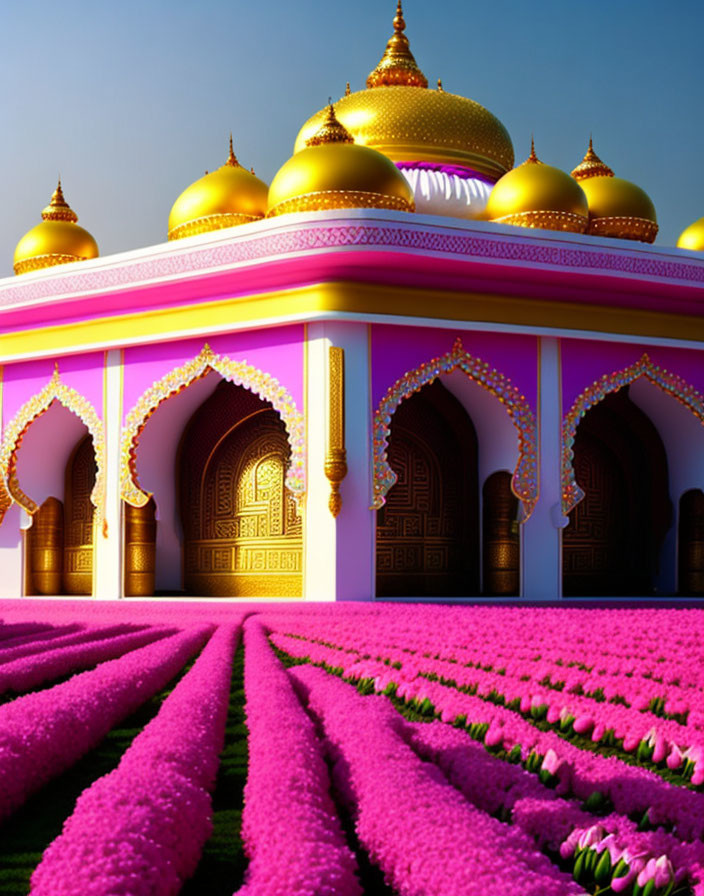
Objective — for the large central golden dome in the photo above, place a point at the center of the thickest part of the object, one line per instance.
(399, 116)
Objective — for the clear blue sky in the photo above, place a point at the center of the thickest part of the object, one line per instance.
(131, 101)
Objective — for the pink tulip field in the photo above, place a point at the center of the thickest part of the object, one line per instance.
(289, 749)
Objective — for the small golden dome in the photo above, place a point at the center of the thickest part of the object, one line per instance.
(617, 207)
(399, 116)
(692, 237)
(56, 240)
(335, 172)
(538, 195)
(226, 197)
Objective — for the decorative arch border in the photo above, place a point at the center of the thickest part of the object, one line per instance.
(524, 482)
(669, 382)
(39, 404)
(240, 373)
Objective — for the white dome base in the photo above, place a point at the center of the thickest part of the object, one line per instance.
(441, 193)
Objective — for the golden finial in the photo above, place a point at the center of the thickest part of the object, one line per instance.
(232, 158)
(440, 88)
(532, 158)
(397, 66)
(56, 376)
(330, 131)
(347, 89)
(251, 170)
(58, 209)
(591, 166)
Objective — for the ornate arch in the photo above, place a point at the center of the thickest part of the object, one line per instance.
(671, 383)
(238, 372)
(524, 482)
(16, 429)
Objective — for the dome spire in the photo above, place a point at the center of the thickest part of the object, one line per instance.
(397, 66)
(58, 209)
(532, 158)
(232, 158)
(330, 131)
(591, 165)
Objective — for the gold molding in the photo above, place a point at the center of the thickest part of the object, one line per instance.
(240, 373)
(340, 297)
(336, 455)
(55, 390)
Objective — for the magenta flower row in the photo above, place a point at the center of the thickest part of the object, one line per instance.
(43, 734)
(36, 637)
(290, 828)
(426, 838)
(141, 828)
(38, 644)
(631, 788)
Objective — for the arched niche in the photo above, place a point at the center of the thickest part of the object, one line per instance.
(242, 533)
(427, 532)
(614, 540)
(682, 434)
(156, 466)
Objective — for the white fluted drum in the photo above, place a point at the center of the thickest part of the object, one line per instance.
(439, 191)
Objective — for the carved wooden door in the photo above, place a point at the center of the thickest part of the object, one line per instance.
(78, 519)
(427, 532)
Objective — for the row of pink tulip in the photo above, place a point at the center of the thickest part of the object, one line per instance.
(486, 647)
(495, 785)
(44, 733)
(681, 746)
(30, 672)
(11, 630)
(290, 828)
(495, 637)
(632, 789)
(424, 836)
(141, 828)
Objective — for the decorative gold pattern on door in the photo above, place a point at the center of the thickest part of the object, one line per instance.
(502, 551)
(78, 519)
(243, 534)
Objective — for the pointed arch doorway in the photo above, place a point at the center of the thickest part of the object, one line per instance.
(241, 529)
(427, 538)
(612, 543)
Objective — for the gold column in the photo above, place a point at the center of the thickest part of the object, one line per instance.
(501, 543)
(336, 456)
(691, 543)
(140, 549)
(47, 547)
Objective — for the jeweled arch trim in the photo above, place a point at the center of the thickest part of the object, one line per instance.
(524, 482)
(55, 390)
(669, 382)
(240, 373)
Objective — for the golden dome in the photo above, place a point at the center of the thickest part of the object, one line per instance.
(617, 208)
(538, 195)
(57, 240)
(224, 198)
(692, 237)
(399, 116)
(335, 172)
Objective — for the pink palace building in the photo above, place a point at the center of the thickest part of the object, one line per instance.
(406, 368)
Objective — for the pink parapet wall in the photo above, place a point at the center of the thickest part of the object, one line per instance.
(277, 351)
(24, 380)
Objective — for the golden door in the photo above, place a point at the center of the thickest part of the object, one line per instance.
(243, 536)
(78, 519)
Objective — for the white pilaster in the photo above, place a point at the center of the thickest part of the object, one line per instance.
(107, 566)
(339, 551)
(541, 548)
